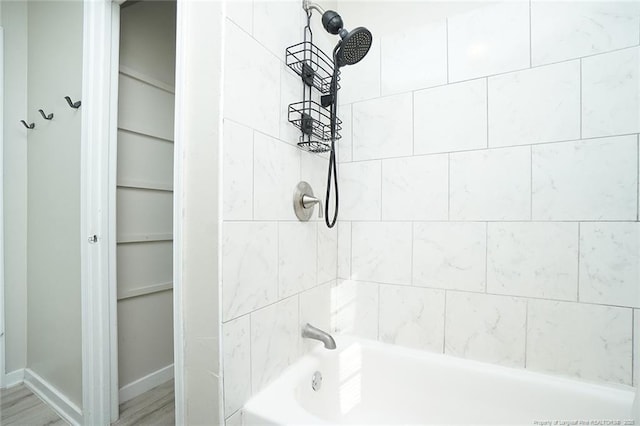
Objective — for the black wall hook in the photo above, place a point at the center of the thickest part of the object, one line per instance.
(28, 126)
(45, 116)
(72, 104)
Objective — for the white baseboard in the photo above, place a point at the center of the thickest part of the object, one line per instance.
(53, 397)
(14, 378)
(145, 383)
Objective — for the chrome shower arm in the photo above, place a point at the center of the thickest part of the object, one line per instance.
(309, 5)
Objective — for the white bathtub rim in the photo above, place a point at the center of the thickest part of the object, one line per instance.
(465, 363)
(282, 391)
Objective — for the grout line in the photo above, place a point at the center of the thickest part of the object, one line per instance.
(491, 148)
(253, 17)
(448, 187)
(486, 257)
(631, 220)
(278, 262)
(378, 331)
(381, 183)
(281, 77)
(226, 419)
(634, 349)
(578, 284)
(531, 183)
(519, 296)
(299, 323)
(526, 330)
(412, 250)
(253, 175)
(530, 41)
(413, 123)
(250, 354)
(278, 301)
(444, 323)
(446, 24)
(487, 105)
(255, 40)
(223, 376)
(380, 72)
(350, 249)
(494, 75)
(581, 109)
(351, 128)
(382, 188)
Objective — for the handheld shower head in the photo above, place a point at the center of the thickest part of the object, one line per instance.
(355, 46)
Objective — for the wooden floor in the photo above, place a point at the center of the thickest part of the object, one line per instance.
(154, 407)
(19, 406)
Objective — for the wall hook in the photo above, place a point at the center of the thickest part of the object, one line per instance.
(45, 116)
(28, 126)
(72, 104)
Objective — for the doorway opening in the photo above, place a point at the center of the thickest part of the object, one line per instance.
(143, 246)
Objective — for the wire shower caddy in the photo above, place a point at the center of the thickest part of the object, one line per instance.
(315, 68)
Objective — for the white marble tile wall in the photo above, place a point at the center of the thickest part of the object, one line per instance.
(609, 263)
(275, 341)
(592, 342)
(237, 361)
(491, 184)
(515, 269)
(356, 308)
(490, 195)
(564, 30)
(277, 273)
(450, 255)
(360, 186)
(450, 118)
(488, 192)
(610, 95)
(594, 179)
(540, 104)
(486, 328)
(415, 188)
(414, 58)
(254, 74)
(489, 40)
(412, 316)
(381, 251)
(382, 128)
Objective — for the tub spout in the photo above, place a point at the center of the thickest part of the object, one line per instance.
(312, 332)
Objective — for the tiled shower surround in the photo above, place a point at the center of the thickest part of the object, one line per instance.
(488, 192)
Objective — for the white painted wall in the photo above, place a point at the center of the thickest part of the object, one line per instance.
(197, 211)
(145, 194)
(2, 376)
(147, 30)
(14, 22)
(53, 217)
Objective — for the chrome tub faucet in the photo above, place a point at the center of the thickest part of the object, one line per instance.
(311, 332)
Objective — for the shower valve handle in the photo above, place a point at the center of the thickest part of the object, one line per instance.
(308, 201)
(304, 202)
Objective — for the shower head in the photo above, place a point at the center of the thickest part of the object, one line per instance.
(354, 46)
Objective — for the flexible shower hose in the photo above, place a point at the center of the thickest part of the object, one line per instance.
(332, 154)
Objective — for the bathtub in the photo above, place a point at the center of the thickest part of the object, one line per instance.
(367, 382)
